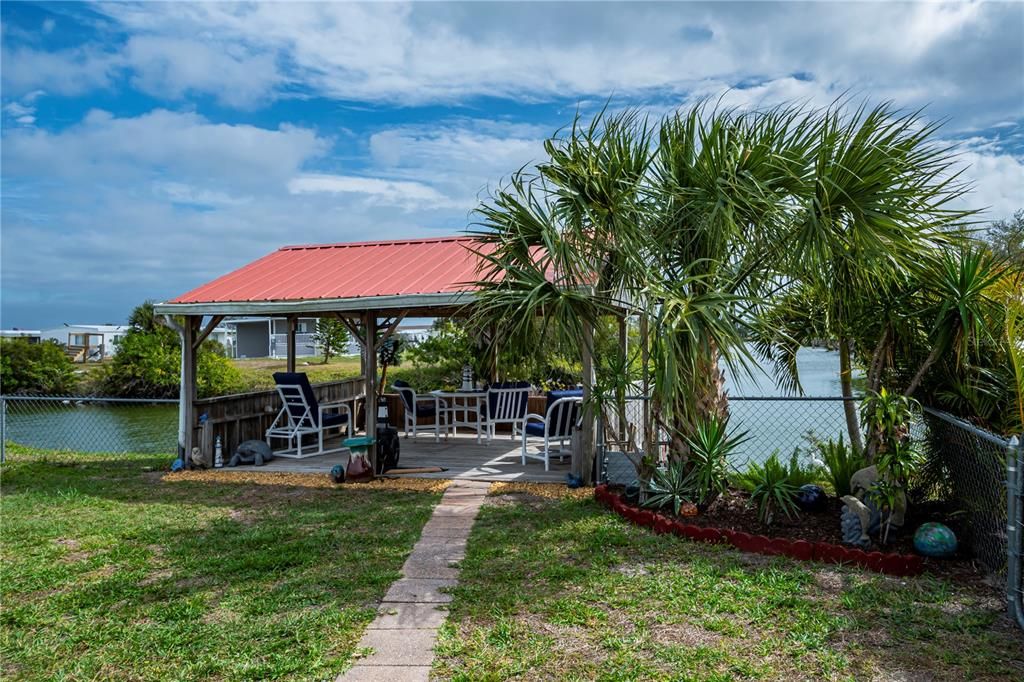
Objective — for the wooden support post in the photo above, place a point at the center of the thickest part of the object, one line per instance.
(292, 321)
(587, 432)
(187, 390)
(370, 346)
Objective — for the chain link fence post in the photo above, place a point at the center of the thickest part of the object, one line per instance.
(3, 429)
(1015, 529)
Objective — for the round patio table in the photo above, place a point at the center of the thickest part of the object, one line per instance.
(464, 408)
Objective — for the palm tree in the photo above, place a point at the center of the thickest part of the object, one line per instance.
(878, 204)
(703, 223)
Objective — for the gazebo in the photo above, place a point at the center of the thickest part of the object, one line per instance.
(370, 286)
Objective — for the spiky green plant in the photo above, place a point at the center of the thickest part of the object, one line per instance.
(771, 489)
(668, 487)
(841, 463)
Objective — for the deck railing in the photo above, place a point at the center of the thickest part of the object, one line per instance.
(247, 416)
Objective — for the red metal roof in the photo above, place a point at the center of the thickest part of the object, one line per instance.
(354, 270)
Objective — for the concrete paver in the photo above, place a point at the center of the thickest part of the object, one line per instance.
(403, 634)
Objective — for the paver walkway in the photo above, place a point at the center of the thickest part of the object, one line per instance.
(404, 632)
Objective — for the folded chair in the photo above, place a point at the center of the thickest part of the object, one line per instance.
(302, 415)
(563, 415)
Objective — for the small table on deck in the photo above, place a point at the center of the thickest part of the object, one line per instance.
(464, 408)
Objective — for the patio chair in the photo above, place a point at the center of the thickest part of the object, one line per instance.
(302, 415)
(555, 427)
(417, 406)
(506, 404)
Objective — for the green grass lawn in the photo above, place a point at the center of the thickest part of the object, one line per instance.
(258, 373)
(566, 590)
(108, 572)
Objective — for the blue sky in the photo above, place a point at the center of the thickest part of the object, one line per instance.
(147, 148)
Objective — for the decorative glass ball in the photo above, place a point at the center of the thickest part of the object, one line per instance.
(811, 498)
(935, 540)
(338, 473)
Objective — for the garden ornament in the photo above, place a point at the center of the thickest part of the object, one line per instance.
(811, 498)
(935, 540)
(251, 452)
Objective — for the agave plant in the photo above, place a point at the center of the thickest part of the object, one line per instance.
(668, 487)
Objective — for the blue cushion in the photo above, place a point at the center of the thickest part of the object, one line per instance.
(332, 419)
(406, 396)
(565, 393)
(534, 429)
(302, 381)
(492, 398)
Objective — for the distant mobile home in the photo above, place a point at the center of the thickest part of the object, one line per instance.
(30, 335)
(267, 337)
(87, 342)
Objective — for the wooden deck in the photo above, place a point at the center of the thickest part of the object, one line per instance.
(460, 456)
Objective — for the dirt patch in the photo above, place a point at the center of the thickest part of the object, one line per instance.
(519, 500)
(75, 554)
(554, 491)
(686, 634)
(280, 478)
(155, 577)
(103, 572)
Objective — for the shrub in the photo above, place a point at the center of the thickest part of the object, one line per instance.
(708, 462)
(35, 367)
(669, 487)
(841, 462)
(148, 365)
(771, 488)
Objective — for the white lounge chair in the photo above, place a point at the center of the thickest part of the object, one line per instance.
(555, 427)
(302, 415)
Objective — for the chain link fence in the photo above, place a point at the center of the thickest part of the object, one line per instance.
(88, 424)
(772, 425)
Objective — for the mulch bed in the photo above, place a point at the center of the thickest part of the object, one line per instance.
(734, 512)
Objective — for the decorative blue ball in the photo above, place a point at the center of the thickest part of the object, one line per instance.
(338, 473)
(811, 498)
(935, 540)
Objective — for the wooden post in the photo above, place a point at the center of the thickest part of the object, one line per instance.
(292, 321)
(370, 346)
(588, 446)
(187, 393)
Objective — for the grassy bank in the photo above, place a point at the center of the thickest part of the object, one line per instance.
(564, 590)
(109, 571)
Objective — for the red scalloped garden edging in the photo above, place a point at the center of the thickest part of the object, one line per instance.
(891, 564)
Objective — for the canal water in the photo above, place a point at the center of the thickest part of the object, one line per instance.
(771, 425)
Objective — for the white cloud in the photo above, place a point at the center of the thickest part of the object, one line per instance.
(409, 195)
(74, 71)
(163, 143)
(963, 57)
(172, 68)
(998, 180)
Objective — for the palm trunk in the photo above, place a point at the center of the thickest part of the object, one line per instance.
(846, 382)
(916, 381)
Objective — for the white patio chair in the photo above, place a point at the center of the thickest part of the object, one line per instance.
(417, 406)
(302, 415)
(506, 404)
(555, 427)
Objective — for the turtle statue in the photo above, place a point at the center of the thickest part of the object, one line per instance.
(811, 498)
(251, 452)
